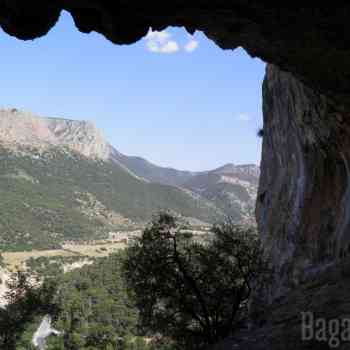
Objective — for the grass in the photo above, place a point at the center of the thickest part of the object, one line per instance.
(40, 208)
(16, 260)
(96, 250)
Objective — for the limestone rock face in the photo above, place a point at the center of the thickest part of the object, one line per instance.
(322, 298)
(303, 206)
(27, 129)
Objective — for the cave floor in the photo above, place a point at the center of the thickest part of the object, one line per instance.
(326, 296)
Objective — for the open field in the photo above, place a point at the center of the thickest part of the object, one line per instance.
(16, 260)
(95, 250)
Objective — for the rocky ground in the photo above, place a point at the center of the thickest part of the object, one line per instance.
(4, 276)
(325, 296)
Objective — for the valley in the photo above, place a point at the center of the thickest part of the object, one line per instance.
(17, 260)
(70, 206)
(61, 181)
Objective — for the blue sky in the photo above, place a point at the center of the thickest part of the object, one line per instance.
(174, 99)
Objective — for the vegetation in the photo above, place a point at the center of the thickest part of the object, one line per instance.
(193, 292)
(90, 306)
(233, 199)
(25, 302)
(50, 267)
(227, 197)
(95, 311)
(168, 291)
(40, 194)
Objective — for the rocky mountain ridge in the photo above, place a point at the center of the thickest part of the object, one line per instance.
(27, 129)
(19, 128)
(175, 177)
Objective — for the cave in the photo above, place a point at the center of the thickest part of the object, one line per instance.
(304, 191)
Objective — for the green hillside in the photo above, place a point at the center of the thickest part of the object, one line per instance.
(58, 195)
(235, 199)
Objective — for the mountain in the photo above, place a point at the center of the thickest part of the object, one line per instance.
(247, 172)
(152, 172)
(232, 188)
(61, 180)
(19, 128)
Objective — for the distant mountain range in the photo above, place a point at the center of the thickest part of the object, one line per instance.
(61, 180)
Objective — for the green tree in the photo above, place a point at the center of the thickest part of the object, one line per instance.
(25, 303)
(95, 312)
(190, 290)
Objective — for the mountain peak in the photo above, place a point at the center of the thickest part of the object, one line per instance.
(28, 129)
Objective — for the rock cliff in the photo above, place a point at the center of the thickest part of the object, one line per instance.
(27, 129)
(303, 199)
(317, 302)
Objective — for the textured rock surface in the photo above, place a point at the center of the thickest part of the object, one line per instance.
(27, 129)
(325, 296)
(303, 200)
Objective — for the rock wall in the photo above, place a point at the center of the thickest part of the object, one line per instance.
(324, 297)
(26, 129)
(303, 206)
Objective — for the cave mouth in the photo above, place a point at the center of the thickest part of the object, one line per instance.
(304, 193)
(241, 117)
(307, 53)
(128, 105)
(143, 80)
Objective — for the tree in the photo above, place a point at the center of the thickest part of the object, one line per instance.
(90, 306)
(95, 312)
(25, 302)
(193, 290)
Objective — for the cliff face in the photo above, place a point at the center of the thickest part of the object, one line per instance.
(304, 194)
(324, 297)
(26, 129)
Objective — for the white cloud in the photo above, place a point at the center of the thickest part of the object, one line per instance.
(244, 117)
(191, 45)
(159, 42)
(170, 47)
